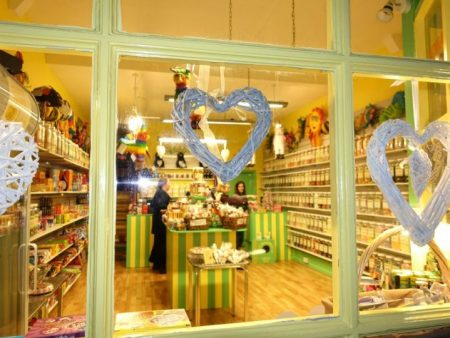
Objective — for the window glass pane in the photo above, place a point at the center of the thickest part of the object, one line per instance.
(61, 13)
(395, 271)
(59, 194)
(266, 22)
(380, 28)
(288, 198)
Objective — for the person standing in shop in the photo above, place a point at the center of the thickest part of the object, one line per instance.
(239, 200)
(159, 203)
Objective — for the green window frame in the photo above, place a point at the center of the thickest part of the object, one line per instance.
(107, 44)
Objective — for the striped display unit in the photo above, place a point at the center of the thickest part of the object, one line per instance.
(139, 240)
(215, 284)
(262, 224)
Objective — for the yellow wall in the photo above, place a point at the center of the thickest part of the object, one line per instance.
(40, 74)
(366, 90)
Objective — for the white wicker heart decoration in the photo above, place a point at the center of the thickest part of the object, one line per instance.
(193, 98)
(420, 227)
(19, 161)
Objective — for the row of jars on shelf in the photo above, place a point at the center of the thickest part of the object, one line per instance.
(304, 200)
(299, 158)
(367, 231)
(50, 138)
(361, 142)
(306, 178)
(399, 172)
(309, 221)
(373, 203)
(312, 244)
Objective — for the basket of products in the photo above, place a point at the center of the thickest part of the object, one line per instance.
(429, 292)
(197, 222)
(232, 218)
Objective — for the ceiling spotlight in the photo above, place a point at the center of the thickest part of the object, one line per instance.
(387, 12)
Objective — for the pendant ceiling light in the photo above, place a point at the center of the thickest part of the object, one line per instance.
(135, 121)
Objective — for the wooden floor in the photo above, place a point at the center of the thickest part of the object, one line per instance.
(278, 289)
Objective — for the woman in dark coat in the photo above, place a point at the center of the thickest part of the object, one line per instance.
(160, 202)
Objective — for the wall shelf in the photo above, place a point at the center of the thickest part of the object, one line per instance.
(55, 228)
(56, 255)
(310, 253)
(61, 193)
(59, 160)
(323, 235)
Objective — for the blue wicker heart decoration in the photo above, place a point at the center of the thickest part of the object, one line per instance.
(421, 226)
(193, 98)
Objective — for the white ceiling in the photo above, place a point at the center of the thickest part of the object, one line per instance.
(262, 21)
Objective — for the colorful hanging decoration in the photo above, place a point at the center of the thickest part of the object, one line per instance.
(421, 226)
(19, 162)
(181, 79)
(279, 141)
(192, 99)
(136, 145)
(315, 122)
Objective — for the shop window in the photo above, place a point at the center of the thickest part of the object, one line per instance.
(296, 23)
(400, 28)
(47, 12)
(395, 271)
(55, 209)
(285, 216)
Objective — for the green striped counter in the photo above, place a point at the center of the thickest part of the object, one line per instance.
(139, 240)
(215, 284)
(259, 227)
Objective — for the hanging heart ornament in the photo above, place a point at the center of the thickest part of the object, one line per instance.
(421, 226)
(248, 98)
(19, 161)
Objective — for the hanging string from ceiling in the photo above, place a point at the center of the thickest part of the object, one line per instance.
(230, 20)
(293, 22)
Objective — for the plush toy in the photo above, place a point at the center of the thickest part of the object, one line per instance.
(181, 79)
(159, 162)
(369, 117)
(396, 109)
(315, 121)
(278, 141)
(181, 162)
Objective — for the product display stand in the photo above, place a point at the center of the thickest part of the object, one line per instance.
(198, 267)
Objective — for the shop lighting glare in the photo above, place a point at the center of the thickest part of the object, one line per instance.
(241, 123)
(272, 104)
(146, 182)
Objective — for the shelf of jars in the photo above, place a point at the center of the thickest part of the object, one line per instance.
(80, 161)
(52, 228)
(59, 193)
(312, 245)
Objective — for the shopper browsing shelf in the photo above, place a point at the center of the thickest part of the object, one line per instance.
(159, 203)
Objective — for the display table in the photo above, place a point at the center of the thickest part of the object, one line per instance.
(216, 285)
(38, 303)
(139, 240)
(268, 229)
(198, 267)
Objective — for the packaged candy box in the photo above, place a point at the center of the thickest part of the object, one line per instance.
(67, 327)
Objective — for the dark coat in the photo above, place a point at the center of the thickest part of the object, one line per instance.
(160, 202)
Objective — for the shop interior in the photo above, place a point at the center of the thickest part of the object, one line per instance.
(288, 218)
